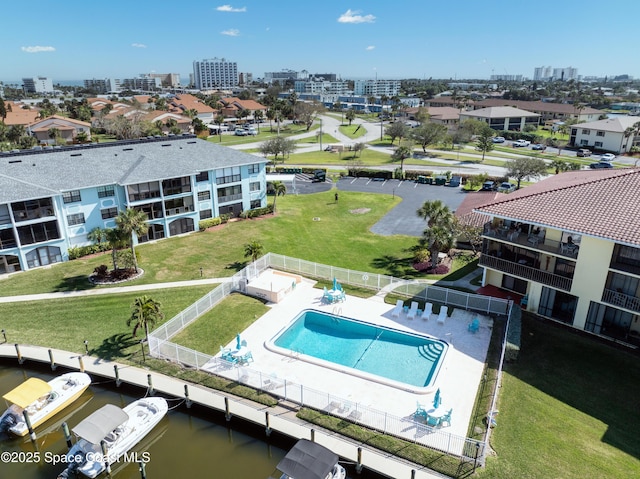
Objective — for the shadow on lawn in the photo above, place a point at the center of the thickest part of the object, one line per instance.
(396, 267)
(237, 265)
(116, 346)
(74, 283)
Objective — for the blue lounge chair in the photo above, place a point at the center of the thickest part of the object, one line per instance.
(421, 412)
(446, 418)
(474, 325)
(225, 353)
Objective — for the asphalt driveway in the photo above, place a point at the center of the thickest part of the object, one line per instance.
(402, 219)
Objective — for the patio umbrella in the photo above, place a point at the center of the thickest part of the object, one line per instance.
(238, 342)
(335, 284)
(437, 399)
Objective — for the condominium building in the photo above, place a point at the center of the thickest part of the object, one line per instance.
(376, 88)
(571, 244)
(38, 85)
(51, 199)
(215, 73)
(102, 86)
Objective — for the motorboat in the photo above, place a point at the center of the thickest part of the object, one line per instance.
(118, 429)
(309, 460)
(41, 400)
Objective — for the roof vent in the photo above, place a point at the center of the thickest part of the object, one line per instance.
(15, 161)
(76, 154)
(166, 144)
(127, 149)
(191, 142)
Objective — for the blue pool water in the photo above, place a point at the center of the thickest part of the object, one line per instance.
(387, 353)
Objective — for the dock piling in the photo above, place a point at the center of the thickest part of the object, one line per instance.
(51, 361)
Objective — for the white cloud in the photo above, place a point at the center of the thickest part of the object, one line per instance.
(229, 8)
(37, 49)
(353, 16)
(232, 32)
(138, 45)
(370, 47)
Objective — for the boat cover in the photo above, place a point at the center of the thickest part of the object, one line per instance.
(28, 392)
(95, 427)
(308, 460)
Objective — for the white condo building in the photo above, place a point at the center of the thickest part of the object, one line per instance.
(38, 85)
(215, 73)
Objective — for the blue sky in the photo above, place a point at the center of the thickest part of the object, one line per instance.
(75, 40)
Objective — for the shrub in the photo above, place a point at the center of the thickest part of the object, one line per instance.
(80, 251)
(421, 256)
(208, 223)
(101, 271)
(225, 217)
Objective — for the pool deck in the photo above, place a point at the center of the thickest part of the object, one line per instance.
(458, 379)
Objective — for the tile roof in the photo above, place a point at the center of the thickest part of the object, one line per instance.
(599, 203)
(465, 211)
(550, 107)
(34, 174)
(19, 115)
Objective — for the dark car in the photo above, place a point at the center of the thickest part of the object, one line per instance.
(538, 146)
(600, 164)
(489, 186)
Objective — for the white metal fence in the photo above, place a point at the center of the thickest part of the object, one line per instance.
(404, 427)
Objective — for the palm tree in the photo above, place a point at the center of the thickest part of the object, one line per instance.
(97, 236)
(257, 116)
(436, 213)
(219, 120)
(132, 222)
(279, 189)
(436, 239)
(117, 240)
(145, 312)
(401, 153)
(253, 250)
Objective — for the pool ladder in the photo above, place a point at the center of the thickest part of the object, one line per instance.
(337, 311)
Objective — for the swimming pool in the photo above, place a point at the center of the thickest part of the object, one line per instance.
(396, 358)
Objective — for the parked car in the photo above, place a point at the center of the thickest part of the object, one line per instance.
(455, 181)
(498, 139)
(521, 143)
(538, 146)
(608, 157)
(488, 186)
(506, 187)
(583, 152)
(600, 164)
(240, 132)
(251, 131)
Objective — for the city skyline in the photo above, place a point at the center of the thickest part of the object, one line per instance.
(403, 39)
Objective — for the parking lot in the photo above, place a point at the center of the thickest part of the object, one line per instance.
(402, 219)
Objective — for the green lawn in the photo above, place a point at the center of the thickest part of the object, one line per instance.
(340, 237)
(353, 131)
(101, 320)
(568, 409)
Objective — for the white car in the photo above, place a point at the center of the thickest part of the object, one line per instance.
(608, 157)
(521, 143)
(498, 139)
(506, 187)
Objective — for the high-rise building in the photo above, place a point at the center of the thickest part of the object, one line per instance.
(102, 86)
(555, 74)
(168, 80)
(376, 88)
(542, 73)
(215, 73)
(38, 85)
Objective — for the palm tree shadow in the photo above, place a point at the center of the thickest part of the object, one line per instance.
(116, 346)
(395, 266)
(237, 265)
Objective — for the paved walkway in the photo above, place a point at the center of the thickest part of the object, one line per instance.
(114, 290)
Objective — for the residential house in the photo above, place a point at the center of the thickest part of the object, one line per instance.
(165, 117)
(502, 118)
(571, 243)
(67, 129)
(20, 114)
(185, 102)
(231, 105)
(52, 198)
(546, 110)
(617, 134)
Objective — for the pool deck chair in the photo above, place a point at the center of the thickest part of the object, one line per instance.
(446, 418)
(412, 310)
(474, 325)
(398, 309)
(428, 309)
(443, 315)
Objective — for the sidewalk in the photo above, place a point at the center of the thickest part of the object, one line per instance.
(115, 290)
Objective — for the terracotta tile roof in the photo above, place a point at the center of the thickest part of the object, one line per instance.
(19, 115)
(251, 105)
(465, 212)
(599, 203)
(185, 101)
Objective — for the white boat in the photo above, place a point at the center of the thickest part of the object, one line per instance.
(119, 429)
(308, 460)
(41, 400)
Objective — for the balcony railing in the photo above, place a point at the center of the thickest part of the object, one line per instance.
(620, 299)
(531, 242)
(179, 211)
(224, 199)
(526, 272)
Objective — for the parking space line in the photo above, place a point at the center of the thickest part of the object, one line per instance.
(368, 181)
(354, 180)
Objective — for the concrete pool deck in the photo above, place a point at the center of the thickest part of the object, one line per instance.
(458, 379)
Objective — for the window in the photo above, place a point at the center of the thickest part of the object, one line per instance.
(32, 209)
(228, 175)
(71, 196)
(176, 186)
(109, 213)
(600, 133)
(202, 176)
(255, 204)
(38, 232)
(143, 191)
(204, 195)
(75, 219)
(253, 169)
(598, 144)
(204, 214)
(586, 131)
(105, 191)
(254, 186)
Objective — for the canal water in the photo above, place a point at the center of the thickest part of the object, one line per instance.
(188, 443)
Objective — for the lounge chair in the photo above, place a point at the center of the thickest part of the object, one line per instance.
(446, 418)
(443, 315)
(412, 310)
(428, 309)
(474, 325)
(225, 353)
(328, 297)
(421, 412)
(398, 309)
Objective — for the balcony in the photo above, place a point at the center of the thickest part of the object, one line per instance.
(530, 241)
(225, 199)
(180, 210)
(526, 272)
(621, 300)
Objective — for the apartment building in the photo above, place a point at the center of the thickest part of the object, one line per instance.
(51, 199)
(571, 244)
(215, 73)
